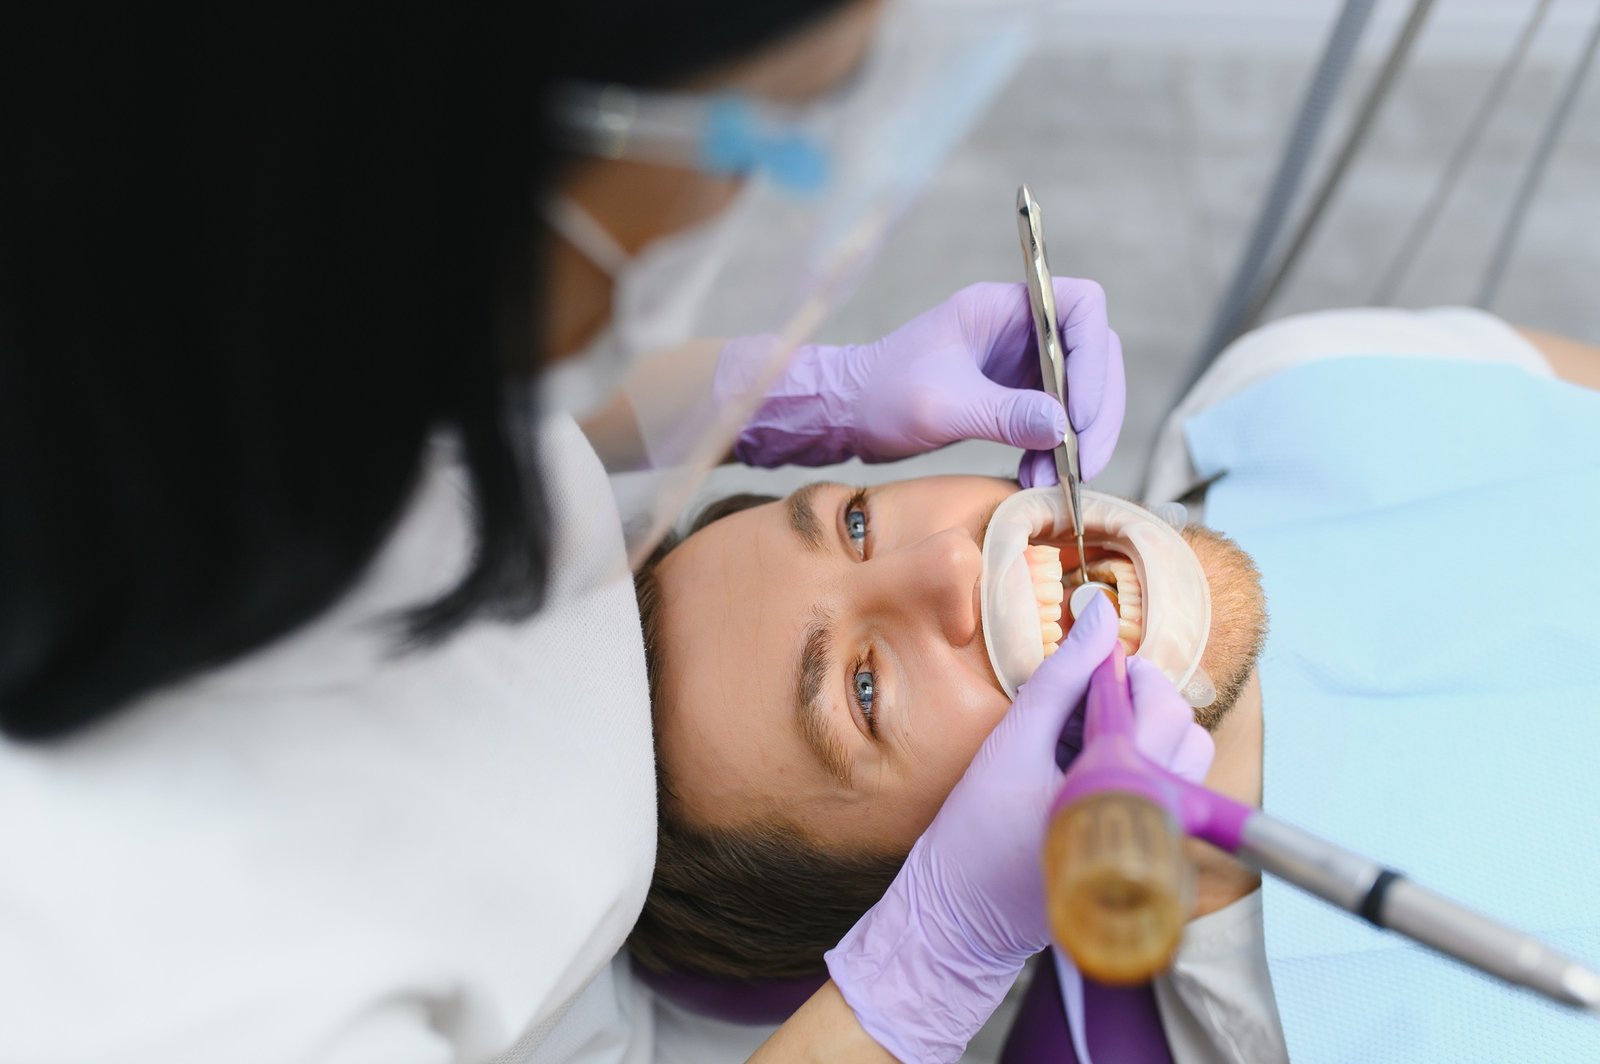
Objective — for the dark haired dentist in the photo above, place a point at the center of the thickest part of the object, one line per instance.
(325, 850)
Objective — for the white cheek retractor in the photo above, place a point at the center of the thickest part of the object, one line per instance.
(1176, 597)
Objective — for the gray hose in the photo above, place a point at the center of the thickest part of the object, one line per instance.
(1422, 226)
(1320, 93)
(1354, 140)
(1512, 227)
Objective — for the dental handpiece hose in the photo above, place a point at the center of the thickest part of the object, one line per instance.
(1117, 885)
(1386, 898)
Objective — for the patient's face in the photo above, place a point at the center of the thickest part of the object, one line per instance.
(823, 656)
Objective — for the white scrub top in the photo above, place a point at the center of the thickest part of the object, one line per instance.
(332, 851)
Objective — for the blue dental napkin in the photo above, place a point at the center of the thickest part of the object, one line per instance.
(1427, 537)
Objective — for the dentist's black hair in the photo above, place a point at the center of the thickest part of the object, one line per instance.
(250, 259)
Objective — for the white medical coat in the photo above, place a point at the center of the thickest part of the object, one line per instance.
(333, 851)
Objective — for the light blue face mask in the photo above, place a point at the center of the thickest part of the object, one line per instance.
(934, 66)
(821, 181)
(726, 135)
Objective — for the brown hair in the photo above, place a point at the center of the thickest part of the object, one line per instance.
(760, 901)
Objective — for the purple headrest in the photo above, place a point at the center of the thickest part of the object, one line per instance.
(1124, 1024)
(731, 1000)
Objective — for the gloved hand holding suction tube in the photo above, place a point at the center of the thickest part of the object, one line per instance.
(1117, 880)
(1115, 873)
(968, 906)
(966, 369)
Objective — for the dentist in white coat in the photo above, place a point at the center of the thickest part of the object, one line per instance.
(326, 734)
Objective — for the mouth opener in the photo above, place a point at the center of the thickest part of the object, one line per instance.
(1052, 363)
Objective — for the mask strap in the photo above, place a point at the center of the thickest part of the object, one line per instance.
(587, 236)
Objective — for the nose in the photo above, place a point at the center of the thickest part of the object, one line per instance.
(931, 582)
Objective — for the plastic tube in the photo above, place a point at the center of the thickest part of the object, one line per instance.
(1117, 884)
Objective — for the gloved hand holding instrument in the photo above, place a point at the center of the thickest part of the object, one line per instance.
(925, 967)
(966, 369)
(1119, 884)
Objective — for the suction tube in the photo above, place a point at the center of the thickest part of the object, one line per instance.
(1117, 885)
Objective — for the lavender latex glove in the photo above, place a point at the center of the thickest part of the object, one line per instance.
(1163, 724)
(967, 369)
(925, 967)
(1164, 731)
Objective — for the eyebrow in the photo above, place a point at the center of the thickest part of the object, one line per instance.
(803, 517)
(811, 673)
(810, 708)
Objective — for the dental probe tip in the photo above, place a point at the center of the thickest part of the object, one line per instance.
(1083, 574)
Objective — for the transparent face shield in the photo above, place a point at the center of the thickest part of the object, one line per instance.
(786, 202)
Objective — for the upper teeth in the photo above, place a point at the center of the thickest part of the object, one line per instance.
(1044, 565)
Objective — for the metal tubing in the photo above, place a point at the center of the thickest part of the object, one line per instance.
(1313, 864)
(1388, 899)
(1422, 225)
(1297, 151)
(1512, 227)
(1488, 945)
(1393, 63)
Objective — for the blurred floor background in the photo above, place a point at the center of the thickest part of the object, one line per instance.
(1150, 129)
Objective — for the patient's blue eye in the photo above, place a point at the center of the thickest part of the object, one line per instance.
(866, 691)
(855, 520)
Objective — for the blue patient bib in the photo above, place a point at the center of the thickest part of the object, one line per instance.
(1427, 536)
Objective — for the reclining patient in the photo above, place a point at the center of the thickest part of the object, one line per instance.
(820, 684)
(820, 679)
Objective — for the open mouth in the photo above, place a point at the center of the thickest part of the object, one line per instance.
(1030, 563)
(1048, 565)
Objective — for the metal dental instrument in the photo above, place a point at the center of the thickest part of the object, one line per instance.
(1052, 363)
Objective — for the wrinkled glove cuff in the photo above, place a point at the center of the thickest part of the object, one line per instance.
(806, 417)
